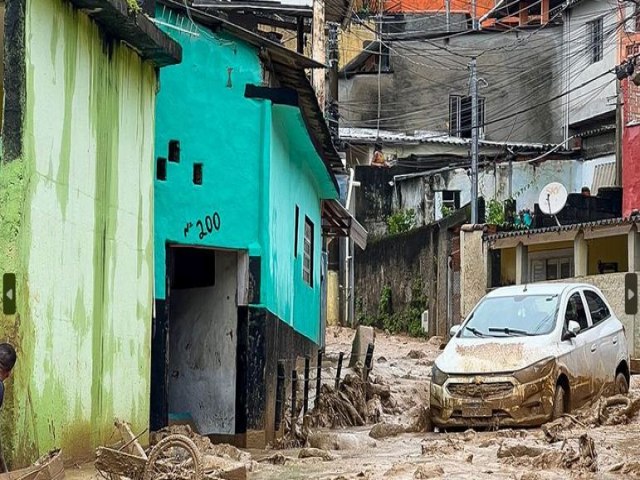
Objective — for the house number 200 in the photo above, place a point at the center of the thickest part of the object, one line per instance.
(211, 223)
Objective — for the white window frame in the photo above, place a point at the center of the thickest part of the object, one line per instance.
(545, 255)
(307, 252)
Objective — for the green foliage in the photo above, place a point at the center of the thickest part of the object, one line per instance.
(495, 212)
(134, 7)
(446, 211)
(401, 221)
(408, 320)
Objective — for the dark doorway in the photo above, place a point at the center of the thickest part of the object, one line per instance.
(195, 342)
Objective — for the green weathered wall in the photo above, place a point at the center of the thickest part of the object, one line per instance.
(76, 227)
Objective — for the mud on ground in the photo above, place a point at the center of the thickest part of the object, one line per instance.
(594, 443)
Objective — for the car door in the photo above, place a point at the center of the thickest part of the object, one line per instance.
(607, 335)
(574, 357)
(596, 352)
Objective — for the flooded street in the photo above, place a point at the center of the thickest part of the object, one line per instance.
(404, 364)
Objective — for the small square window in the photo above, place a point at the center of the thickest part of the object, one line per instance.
(161, 169)
(174, 151)
(197, 173)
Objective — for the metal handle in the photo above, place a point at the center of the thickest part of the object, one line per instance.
(615, 340)
(594, 348)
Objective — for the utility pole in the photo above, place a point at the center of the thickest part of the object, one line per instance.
(332, 100)
(318, 50)
(474, 142)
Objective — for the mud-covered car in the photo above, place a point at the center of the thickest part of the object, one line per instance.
(528, 354)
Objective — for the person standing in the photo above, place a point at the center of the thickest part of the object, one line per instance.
(8, 359)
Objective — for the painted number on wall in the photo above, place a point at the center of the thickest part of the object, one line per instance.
(204, 227)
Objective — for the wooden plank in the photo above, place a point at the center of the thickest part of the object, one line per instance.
(130, 439)
(115, 462)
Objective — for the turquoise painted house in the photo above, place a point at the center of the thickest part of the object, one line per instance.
(245, 196)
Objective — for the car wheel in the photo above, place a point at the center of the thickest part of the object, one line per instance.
(558, 403)
(622, 385)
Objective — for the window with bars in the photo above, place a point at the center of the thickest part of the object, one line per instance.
(460, 116)
(307, 259)
(596, 39)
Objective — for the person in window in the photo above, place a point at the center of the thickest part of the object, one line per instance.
(7, 362)
(378, 157)
(586, 192)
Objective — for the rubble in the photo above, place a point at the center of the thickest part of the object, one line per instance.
(339, 441)
(316, 453)
(428, 471)
(385, 430)
(416, 354)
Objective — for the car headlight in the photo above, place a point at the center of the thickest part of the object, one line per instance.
(438, 377)
(536, 371)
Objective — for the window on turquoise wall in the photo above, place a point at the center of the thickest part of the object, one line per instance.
(307, 261)
(295, 238)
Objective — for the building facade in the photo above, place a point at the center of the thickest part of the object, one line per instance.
(76, 240)
(244, 189)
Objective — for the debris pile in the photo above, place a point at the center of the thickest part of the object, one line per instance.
(616, 410)
(176, 453)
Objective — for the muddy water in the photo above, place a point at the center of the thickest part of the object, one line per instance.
(405, 365)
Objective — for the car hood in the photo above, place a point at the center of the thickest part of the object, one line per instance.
(493, 355)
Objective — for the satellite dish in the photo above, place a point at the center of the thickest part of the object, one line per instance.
(553, 198)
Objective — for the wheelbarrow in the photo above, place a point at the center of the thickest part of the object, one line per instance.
(175, 457)
(49, 467)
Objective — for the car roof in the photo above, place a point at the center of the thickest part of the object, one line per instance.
(536, 289)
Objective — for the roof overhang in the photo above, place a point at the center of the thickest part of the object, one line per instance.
(592, 230)
(338, 222)
(136, 29)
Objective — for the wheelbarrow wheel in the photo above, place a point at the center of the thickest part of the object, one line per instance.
(174, 457)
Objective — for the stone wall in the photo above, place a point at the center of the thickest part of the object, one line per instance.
(412, 268)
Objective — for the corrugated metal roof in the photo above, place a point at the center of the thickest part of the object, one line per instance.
(371, 135)
(563, 228)
(603, 176)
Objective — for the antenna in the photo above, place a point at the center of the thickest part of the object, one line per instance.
(553, 198)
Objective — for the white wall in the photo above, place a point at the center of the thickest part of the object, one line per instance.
(202, 350)
(528, 180)
(599, 96)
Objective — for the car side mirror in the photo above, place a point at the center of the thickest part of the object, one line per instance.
(572, 330)
(455, 329)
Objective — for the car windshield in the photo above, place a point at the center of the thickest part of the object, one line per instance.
(518, 315)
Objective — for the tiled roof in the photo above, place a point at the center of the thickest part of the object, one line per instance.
(563, 228)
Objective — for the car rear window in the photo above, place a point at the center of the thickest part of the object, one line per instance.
(597, 307)
(517, 315)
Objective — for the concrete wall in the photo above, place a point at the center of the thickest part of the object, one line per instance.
(473, 272)
(204, 331)
(409, 264)
(598, 97)
(258, 164)
(75, 227)
(415, 96)
(399, 262)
